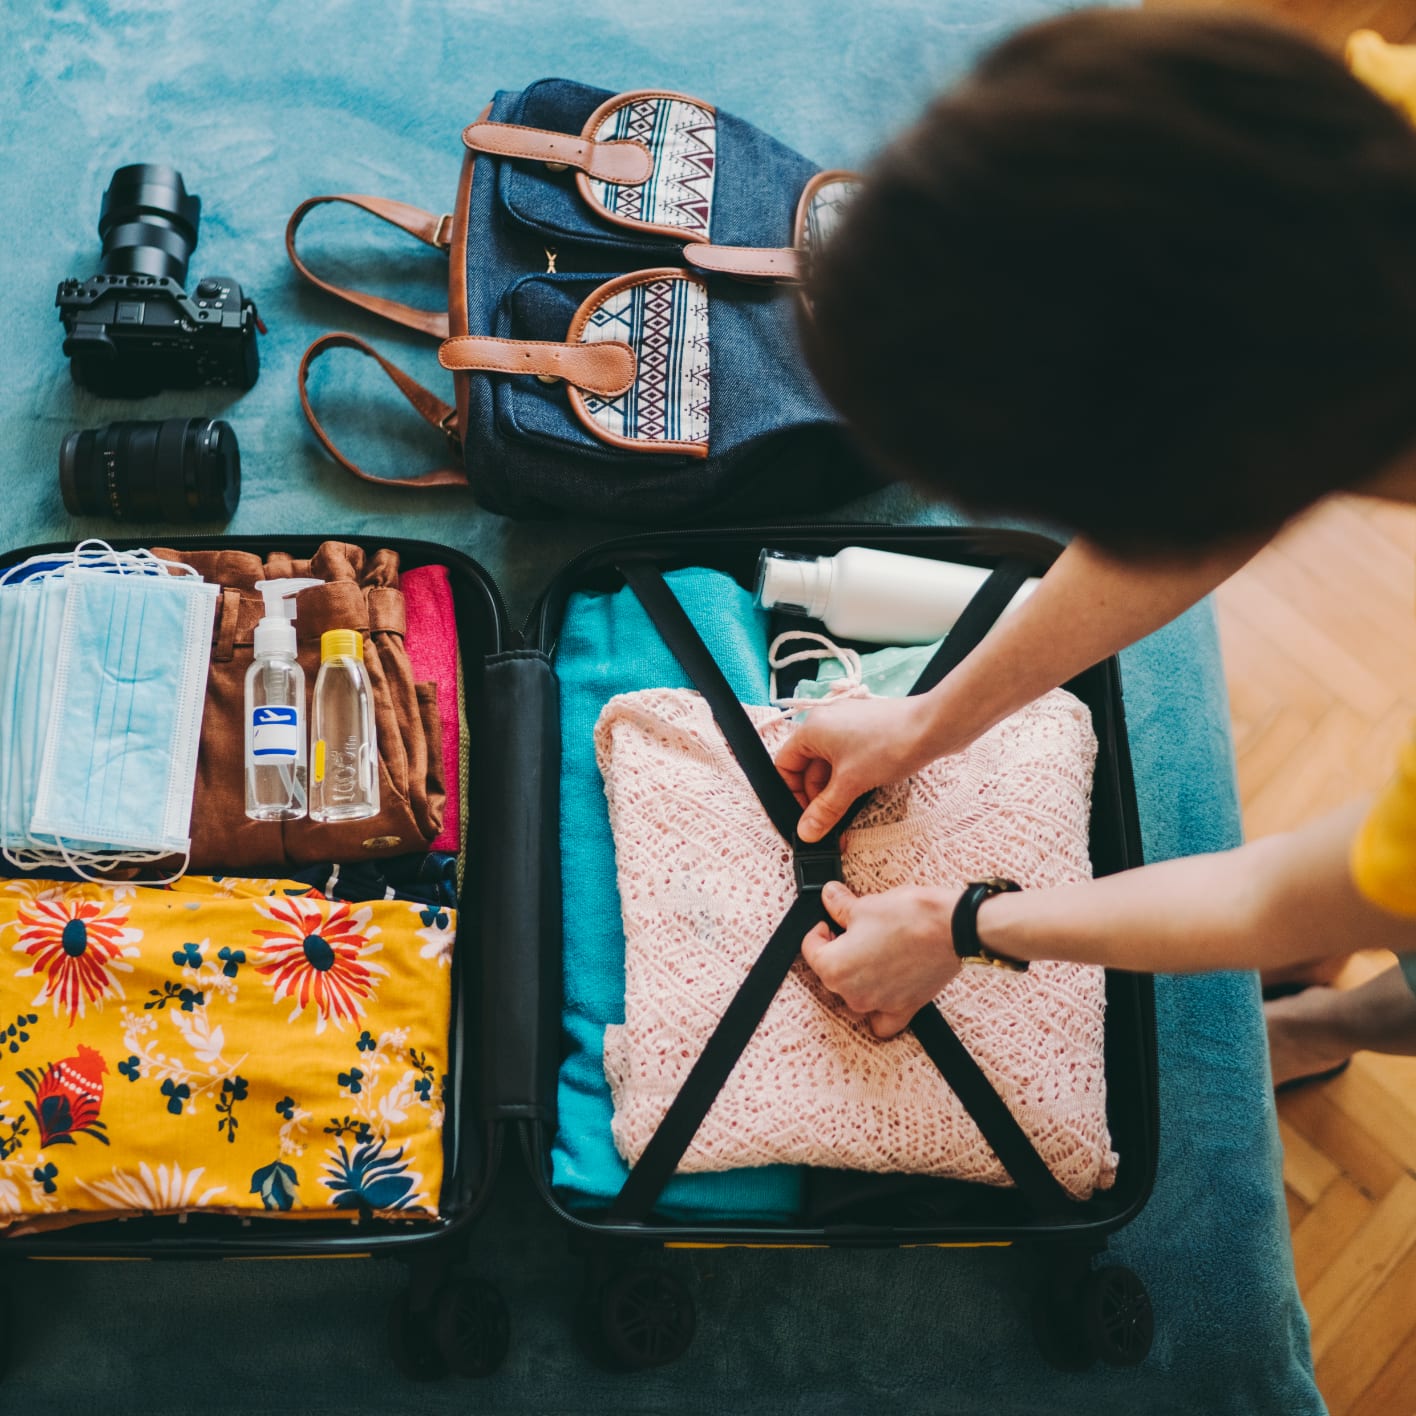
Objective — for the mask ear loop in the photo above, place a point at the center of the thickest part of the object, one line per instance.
(850, 683)
(97, 554)
(77, 861)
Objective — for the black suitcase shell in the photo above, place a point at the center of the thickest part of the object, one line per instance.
(507, 971)
(634, 1316)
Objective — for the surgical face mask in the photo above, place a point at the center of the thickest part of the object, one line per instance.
(120, 755)
(101, 695)
(31, 619)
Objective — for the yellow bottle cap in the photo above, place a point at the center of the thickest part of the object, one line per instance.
(341, 644)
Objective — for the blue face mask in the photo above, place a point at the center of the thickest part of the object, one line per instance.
(31, 617)
(120, 752)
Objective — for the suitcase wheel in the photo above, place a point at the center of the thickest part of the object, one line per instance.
(412, 1342)
(639, 1318)
(1106, 1316)
(1059, 1333)
(1119, 1320)
(464, 1329)
(472, 1324)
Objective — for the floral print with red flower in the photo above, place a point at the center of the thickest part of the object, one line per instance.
(78, 946)
(320, 955)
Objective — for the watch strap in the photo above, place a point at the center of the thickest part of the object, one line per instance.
(964, 924)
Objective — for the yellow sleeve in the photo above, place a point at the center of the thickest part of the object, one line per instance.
(1384, 851)
(1389, 69)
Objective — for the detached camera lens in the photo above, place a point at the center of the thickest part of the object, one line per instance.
(182, 469)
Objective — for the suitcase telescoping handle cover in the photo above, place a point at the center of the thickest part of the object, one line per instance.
(622, 313)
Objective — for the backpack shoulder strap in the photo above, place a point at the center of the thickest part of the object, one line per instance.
(428, 405)
(435, 231)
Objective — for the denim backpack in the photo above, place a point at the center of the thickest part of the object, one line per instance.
(622, 323)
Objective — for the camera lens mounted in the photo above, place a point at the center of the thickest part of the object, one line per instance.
(181, 469)
(148, 222)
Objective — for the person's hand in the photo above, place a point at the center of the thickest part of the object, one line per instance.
(894, 954)
(847, 748)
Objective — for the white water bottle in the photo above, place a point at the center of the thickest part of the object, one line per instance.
(344, 782)
(880, 597)
(275, 710)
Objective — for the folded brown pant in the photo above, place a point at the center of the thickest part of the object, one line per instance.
(361, 592)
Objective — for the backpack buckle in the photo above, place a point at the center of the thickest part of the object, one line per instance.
(816, 864)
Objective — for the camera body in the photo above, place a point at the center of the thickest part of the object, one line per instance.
(128, 336)
(131, 329)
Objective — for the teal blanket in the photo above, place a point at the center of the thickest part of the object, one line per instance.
(262, 104)
(606, 646)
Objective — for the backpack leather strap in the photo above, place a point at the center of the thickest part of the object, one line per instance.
(428, 406)
(604, 367)
(623, 161)
(746, 262)
(435, 231)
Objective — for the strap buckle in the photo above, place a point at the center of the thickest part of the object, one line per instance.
(816, 864)
(446, 425)
(442, 232)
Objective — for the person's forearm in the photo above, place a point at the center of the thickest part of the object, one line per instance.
(1087, 607)
(1283, 899)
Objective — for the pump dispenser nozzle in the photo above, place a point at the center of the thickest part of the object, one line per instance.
(275, 634)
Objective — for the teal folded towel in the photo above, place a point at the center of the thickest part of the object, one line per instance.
(608, 646)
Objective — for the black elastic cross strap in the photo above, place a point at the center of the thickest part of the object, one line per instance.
(687, 646)
(660, 1158)
(998, 1126)
(650, 1173)
(979, 616)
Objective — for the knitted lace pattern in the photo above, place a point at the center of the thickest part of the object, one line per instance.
(704, 879)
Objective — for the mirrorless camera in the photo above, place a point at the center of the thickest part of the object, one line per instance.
(131, 329)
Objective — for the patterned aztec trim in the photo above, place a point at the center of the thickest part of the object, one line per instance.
(823, 213)
(665, 322)
(682, 137)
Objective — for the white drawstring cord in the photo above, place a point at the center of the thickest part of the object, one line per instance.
(848, 685)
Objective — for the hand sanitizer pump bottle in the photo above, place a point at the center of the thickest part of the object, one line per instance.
(275, 710)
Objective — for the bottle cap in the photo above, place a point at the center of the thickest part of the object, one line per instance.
(341, 644)
(275, 634)
(798, 585)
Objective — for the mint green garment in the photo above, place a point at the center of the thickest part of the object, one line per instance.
(1408, 967)
(890, 673)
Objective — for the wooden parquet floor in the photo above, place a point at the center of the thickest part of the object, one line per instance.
(1319, 637)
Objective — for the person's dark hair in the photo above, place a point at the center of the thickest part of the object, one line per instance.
(1151, 277)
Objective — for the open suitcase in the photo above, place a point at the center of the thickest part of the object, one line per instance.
(507, 988)
(448, 1318)
(635, 1315)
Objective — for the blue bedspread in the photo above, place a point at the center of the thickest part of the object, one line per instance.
(262, 104)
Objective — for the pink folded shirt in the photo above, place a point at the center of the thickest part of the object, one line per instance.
(431, 643)
(704, 879)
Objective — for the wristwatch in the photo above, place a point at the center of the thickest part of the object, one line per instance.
(967, 945)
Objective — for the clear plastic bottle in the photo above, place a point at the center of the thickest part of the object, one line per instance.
(275, 711)
(880, 597)
(344, 782)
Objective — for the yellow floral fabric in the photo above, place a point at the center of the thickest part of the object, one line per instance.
(224, 1044)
